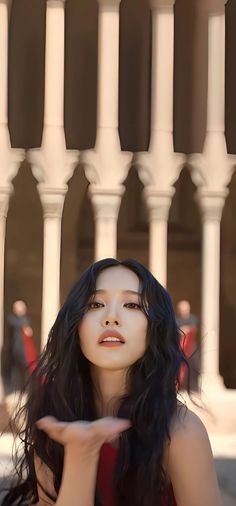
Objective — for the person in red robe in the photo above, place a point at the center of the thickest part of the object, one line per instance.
(188, 324)
(21, 346)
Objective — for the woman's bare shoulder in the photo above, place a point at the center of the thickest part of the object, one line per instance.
(190, 464)
(186, 424)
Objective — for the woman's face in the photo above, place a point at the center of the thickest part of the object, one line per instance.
(113, 332)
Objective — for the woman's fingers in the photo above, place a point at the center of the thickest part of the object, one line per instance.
(109, 427)
(91, 433)
(52, 427)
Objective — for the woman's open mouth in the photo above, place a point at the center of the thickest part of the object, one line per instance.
(111, 339)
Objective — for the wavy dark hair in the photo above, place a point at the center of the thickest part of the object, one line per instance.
(61, 386)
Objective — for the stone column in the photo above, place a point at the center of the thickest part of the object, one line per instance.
(162, 72)
(211, 208)
(108, 63)
(4, 201)
(106, 166)
(106, 205)
(54, 63)
(52, 203)
(10, 159)
(160, 167)
(158, 203)
(212, 171)
(52, 164)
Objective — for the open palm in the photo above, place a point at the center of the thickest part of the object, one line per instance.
(83, 434)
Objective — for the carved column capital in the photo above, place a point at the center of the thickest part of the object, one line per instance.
(106, 201)
(211, 204)
(158, 202)
(52, 200)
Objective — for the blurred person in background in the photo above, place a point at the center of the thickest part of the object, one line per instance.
(188, 324)
(19, 353)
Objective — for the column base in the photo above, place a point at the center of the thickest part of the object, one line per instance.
(216, 408)
(211, 383)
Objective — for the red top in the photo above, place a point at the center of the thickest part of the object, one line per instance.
(106, 468)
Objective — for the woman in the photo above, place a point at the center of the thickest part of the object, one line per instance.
(109, 374)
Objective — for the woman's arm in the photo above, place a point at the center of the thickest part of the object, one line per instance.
(82, 443)
(190, 463)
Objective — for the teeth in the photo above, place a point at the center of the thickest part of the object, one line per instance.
(111, 339)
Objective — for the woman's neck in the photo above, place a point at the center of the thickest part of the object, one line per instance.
(109, 387)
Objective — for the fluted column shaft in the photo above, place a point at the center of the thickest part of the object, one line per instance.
(211, 207)
(52, 164)
(106, 166)
(215, 143)
(216, 72)
(163, 63)
(52, 203)
(108, 61)
(158, 204)
(54, 63)
(160, 167)
(106, 208)
(216, 169)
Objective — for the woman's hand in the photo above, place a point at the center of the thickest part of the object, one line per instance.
(82, 442)
(83, 435)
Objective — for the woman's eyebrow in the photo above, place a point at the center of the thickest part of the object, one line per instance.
(133, 292)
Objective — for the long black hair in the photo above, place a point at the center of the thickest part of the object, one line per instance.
(61, 386)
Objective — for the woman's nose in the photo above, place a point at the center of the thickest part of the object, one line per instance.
(111, 321)
(111, 316)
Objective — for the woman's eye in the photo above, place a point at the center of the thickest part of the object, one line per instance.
(132, 305)
(95, 305)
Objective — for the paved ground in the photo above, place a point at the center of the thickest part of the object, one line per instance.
(224, 450)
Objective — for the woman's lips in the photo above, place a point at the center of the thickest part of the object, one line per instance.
(111, 333)
(111, 344)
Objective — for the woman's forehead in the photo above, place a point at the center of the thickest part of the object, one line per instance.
(118, 278)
